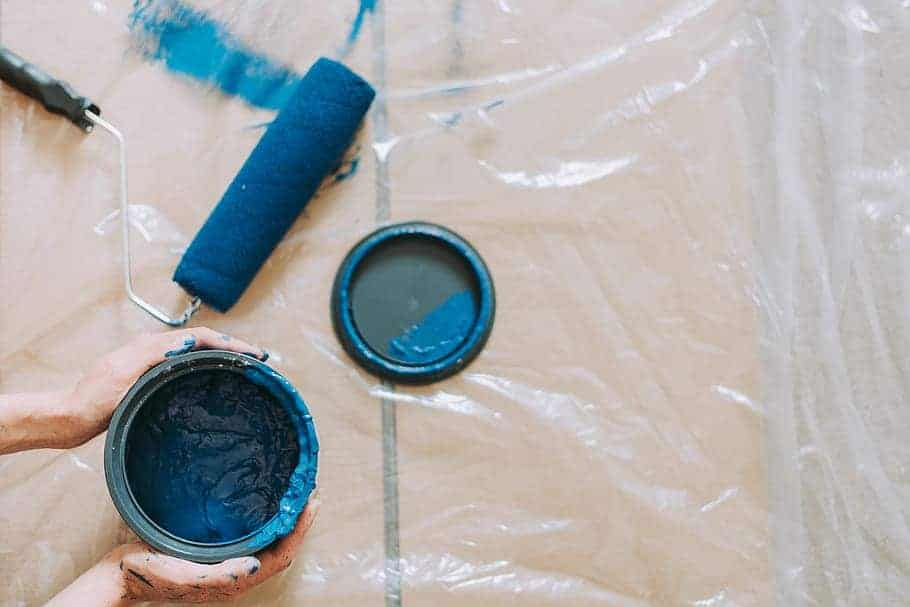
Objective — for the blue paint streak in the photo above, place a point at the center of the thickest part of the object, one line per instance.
(439, 333)
(188, 344)
(191, 43)
(366, 6)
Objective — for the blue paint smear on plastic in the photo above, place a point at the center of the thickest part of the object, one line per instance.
(346, 172)
(439, 333)
(366, 6)
(191, 43)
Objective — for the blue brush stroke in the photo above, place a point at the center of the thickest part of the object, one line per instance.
(439, 333)
(191, 43)
(366, 6)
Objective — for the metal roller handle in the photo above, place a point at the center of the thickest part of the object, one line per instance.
(55, 95)
(59, 97)
(125, 223)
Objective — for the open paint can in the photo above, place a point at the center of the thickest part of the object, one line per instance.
(211, 455)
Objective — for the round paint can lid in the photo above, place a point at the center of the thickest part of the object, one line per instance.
(413, 303)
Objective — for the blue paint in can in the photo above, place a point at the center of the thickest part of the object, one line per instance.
(210, 456)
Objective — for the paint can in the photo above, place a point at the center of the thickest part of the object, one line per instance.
(211, 455)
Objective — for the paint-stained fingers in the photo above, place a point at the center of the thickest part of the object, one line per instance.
(152, 575)
(207, 338)
(173, 343)
(178, 572)
(280, 556)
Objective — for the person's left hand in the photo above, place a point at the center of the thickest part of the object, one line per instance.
(98, 393)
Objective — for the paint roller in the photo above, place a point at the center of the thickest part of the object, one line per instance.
(304, 143)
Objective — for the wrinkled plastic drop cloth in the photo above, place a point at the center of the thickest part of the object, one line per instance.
(694, 213)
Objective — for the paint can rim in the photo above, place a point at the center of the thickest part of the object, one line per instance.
(291, 504)
(382, 365)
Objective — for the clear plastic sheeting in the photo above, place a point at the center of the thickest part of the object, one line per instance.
(693, 214)
(827, 97)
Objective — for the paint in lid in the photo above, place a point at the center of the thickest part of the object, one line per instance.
(413, 303)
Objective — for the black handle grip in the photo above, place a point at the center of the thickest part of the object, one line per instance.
(55, 95)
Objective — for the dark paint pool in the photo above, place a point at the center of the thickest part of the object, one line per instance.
(210, 455)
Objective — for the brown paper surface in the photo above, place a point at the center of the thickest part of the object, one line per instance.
(605, 449)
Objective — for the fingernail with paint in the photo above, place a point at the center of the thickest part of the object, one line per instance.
(189, 342)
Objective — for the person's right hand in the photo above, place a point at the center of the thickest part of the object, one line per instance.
(134, 573)
(148, 575)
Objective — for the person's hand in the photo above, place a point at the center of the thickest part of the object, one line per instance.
(134, 573)
(151, 576)
(98, 393)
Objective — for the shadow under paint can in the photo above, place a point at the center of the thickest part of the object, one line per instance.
(211, 455)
